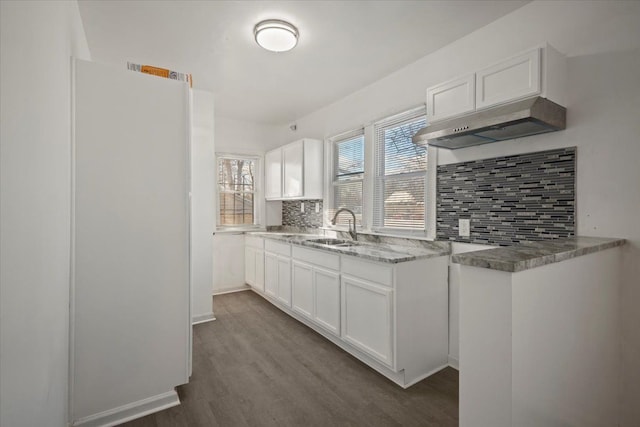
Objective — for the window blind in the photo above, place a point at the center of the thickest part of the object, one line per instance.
(236, 191)
(400, 172)
(348, 175)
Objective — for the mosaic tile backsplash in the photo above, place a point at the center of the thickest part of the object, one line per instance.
(509, 199)
(291, 215)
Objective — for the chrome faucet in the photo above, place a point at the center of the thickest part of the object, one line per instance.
(352, 233)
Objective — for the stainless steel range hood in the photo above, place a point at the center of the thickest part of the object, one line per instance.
(515, 120)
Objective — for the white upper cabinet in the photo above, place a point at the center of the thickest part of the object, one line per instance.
(452, 98)
(515, 78)
(538, 71)
(294, 171)
(273, 174)
(292, 164)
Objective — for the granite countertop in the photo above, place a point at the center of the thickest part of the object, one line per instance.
(535, 254)
(381, 252)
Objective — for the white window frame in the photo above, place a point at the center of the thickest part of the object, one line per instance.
(331, 161)
(258, 194)
(429, 229)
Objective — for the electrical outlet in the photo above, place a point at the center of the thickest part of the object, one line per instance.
(302, 207)
(464, 227)
(317, 207)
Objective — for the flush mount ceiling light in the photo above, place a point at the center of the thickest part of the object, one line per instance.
(276, 35)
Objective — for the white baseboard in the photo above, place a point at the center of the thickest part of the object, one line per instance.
(131, 411)
(231, 290)
(454, 363)
(202, 318)
(423, 376)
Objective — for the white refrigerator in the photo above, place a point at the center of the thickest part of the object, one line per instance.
(130, 296)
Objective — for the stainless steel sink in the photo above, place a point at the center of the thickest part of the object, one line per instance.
(333, 242)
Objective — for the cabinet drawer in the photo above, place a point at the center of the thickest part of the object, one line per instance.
(374, 272)
(254, 242)
(321, 258)
(277, 247)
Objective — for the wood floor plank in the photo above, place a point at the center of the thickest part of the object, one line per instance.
(256, 366)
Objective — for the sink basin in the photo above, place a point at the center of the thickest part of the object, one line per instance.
(334, 242)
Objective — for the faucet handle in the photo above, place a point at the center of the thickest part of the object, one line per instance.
(352, 232)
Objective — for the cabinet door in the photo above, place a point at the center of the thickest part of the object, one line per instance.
(271, 274)
(292, 158)
(284, 280)
(273, 174)
(452, 98)
(515, 78)
(327, 299)
(259, 279)
(249, 266)
(313, 169)
(367, 318)
(302, 288)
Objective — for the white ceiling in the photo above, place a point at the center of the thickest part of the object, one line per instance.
(343, 45)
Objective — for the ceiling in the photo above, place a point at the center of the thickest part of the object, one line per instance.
(343, 45)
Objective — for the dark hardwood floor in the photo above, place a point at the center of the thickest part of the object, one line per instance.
(256, 366)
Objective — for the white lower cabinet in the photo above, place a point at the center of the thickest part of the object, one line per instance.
(254, 262)
(367, 318)
(277, 271)
(271, 274)
(250, 265)
(327, 299)
(302, 284)
(259, 270)
(316, 287)
(393, 317)
(284, 280)
(316, 295)
(277, 277)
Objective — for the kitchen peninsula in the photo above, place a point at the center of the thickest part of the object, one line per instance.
(539, 322)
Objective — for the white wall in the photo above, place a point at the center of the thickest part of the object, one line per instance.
(238, 136)
(602, 40)
(228, 262)
(37, 40)
(574, 28)
(241, 137)
(202, 202)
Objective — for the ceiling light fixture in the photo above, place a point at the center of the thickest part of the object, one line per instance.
(276, 35)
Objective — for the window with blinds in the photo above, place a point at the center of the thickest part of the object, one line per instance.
(348, 176)
(401, 166)
(236, 191)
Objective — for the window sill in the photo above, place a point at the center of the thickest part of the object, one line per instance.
(418, 235)
(239, 230)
